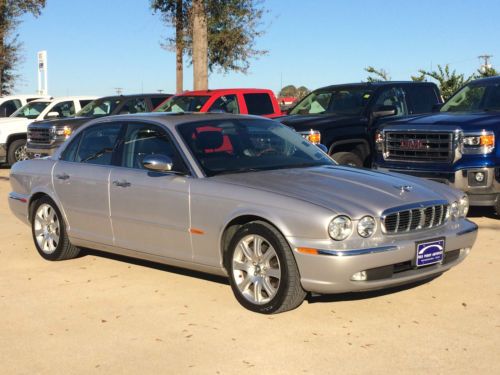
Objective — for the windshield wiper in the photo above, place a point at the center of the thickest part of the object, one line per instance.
(239, 170)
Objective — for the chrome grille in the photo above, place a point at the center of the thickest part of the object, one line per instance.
(422, 147)
(40, 135)
(411, 219)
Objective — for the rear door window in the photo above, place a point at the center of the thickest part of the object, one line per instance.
(9, 107)
(421, 98)
(259, 104)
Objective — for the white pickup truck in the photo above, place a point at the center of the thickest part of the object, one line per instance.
(13, 129)
(11, 103)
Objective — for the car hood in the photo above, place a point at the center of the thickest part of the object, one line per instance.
(450, 120)
(15, 120)
(301, 122)
(344, 190)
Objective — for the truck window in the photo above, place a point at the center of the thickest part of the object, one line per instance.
(422, 98)
(394, 96)
(64, 109)
(83, 103)
(9, 107)
(137, 105)
(226, 103)
(259, 104)
(157, 100)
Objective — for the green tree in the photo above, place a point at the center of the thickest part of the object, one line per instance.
(378, 75)
(10, 46)
(485, 72)
(223, 30)
(287, 91)
(449, 81)
(302, 91)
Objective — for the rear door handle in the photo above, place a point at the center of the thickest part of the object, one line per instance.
(122, 183)
(62, 176)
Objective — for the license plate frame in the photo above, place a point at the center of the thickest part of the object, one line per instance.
(429, 252)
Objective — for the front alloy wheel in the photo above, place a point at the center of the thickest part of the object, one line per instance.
(262, 269)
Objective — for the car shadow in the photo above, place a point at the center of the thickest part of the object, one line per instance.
(156, 266)
(355, 296)
(486, 212)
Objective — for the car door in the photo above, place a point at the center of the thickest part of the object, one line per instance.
(81, 182)
(150, 210)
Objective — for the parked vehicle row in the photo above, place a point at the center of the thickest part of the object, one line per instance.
(240, 196)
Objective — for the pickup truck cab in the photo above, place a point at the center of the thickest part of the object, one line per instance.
(459, 145)
(11, 103)
(260, 102)
(13, 129)
(44, 137)
(346, 116)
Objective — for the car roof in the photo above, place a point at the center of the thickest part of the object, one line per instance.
(62, 99)
(23, 96)
(131, 96)
(495, 79)
(224, 91)
(375, 85)
(170, 119)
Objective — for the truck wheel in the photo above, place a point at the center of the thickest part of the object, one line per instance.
(347, 158)
(262, 270)
(17, 151)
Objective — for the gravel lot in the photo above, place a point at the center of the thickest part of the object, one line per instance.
(101, 313)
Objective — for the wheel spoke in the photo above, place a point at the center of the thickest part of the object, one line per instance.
(243, 286)
(240, 266)
(268, 255)
(257, 291)
(274, 272)
(268, 287)
(247, 251)
(257, 246)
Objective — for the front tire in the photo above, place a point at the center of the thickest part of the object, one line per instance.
(17, 151)
(262, 270)
(49, 231)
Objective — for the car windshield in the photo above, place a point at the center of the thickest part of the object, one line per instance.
(245, 145)
(183, 103)
(99, 107)
(475, 98)
(343, 101)
(31, 110)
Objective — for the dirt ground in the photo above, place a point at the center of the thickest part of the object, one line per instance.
(107, 314)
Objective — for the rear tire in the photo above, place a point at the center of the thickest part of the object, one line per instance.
(17, 151)
(49, 231)
(347, 158)
(262, 270)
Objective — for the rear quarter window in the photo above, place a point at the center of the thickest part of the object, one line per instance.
(422, 99)
(259, 104)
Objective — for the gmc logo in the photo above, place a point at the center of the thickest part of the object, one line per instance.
(412, 144)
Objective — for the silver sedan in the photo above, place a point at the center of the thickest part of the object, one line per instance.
(239, 196)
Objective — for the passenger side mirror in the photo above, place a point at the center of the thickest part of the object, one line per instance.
(157, 163)
(384, 111)
(52, 114)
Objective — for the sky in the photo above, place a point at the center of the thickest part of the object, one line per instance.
(95, 46)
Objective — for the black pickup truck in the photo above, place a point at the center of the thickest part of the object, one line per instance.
(44, 137)
(348, 115)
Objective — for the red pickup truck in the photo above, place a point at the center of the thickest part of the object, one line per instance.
(244, 101)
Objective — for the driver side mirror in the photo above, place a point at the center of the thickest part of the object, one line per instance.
(157, 163)
(384, 111)
(52, 114)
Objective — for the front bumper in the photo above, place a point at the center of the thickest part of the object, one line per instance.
(389, 264)
(35, 150)
(3, 152)
(484, 193)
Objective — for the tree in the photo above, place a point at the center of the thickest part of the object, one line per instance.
(302, 91)
(486, 71)
(232, 27)
(292, 91)
(379, 75)
(449, 81)
(200, 45)
(10, 46)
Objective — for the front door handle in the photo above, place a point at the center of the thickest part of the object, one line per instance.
(122, 183)
(62, 176)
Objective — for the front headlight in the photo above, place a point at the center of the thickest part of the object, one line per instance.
(463, 206)
(366, 226)
(454, 210)
(340, 228)
(483, 143)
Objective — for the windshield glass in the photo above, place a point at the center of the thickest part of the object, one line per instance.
(474, 98)
(98, 108)
(233, 146)
(183, 103)
(343, 101)
(31, 110)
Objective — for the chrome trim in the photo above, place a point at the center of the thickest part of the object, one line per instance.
(348, 253)
(411, 206)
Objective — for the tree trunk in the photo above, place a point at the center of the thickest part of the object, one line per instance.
(179, 47)
(200, 46)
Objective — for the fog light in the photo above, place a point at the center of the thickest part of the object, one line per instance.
(479, 176)
(359, 276)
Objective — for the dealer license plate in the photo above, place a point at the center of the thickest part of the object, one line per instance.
(430, 252)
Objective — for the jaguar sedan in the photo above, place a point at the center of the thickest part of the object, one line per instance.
(239, 196)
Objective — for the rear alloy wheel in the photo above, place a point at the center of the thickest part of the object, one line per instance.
(347, 158)
(17, 151)
(262, 270)
(49, 232)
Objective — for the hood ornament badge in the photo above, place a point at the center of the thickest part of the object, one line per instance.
(404, 188)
